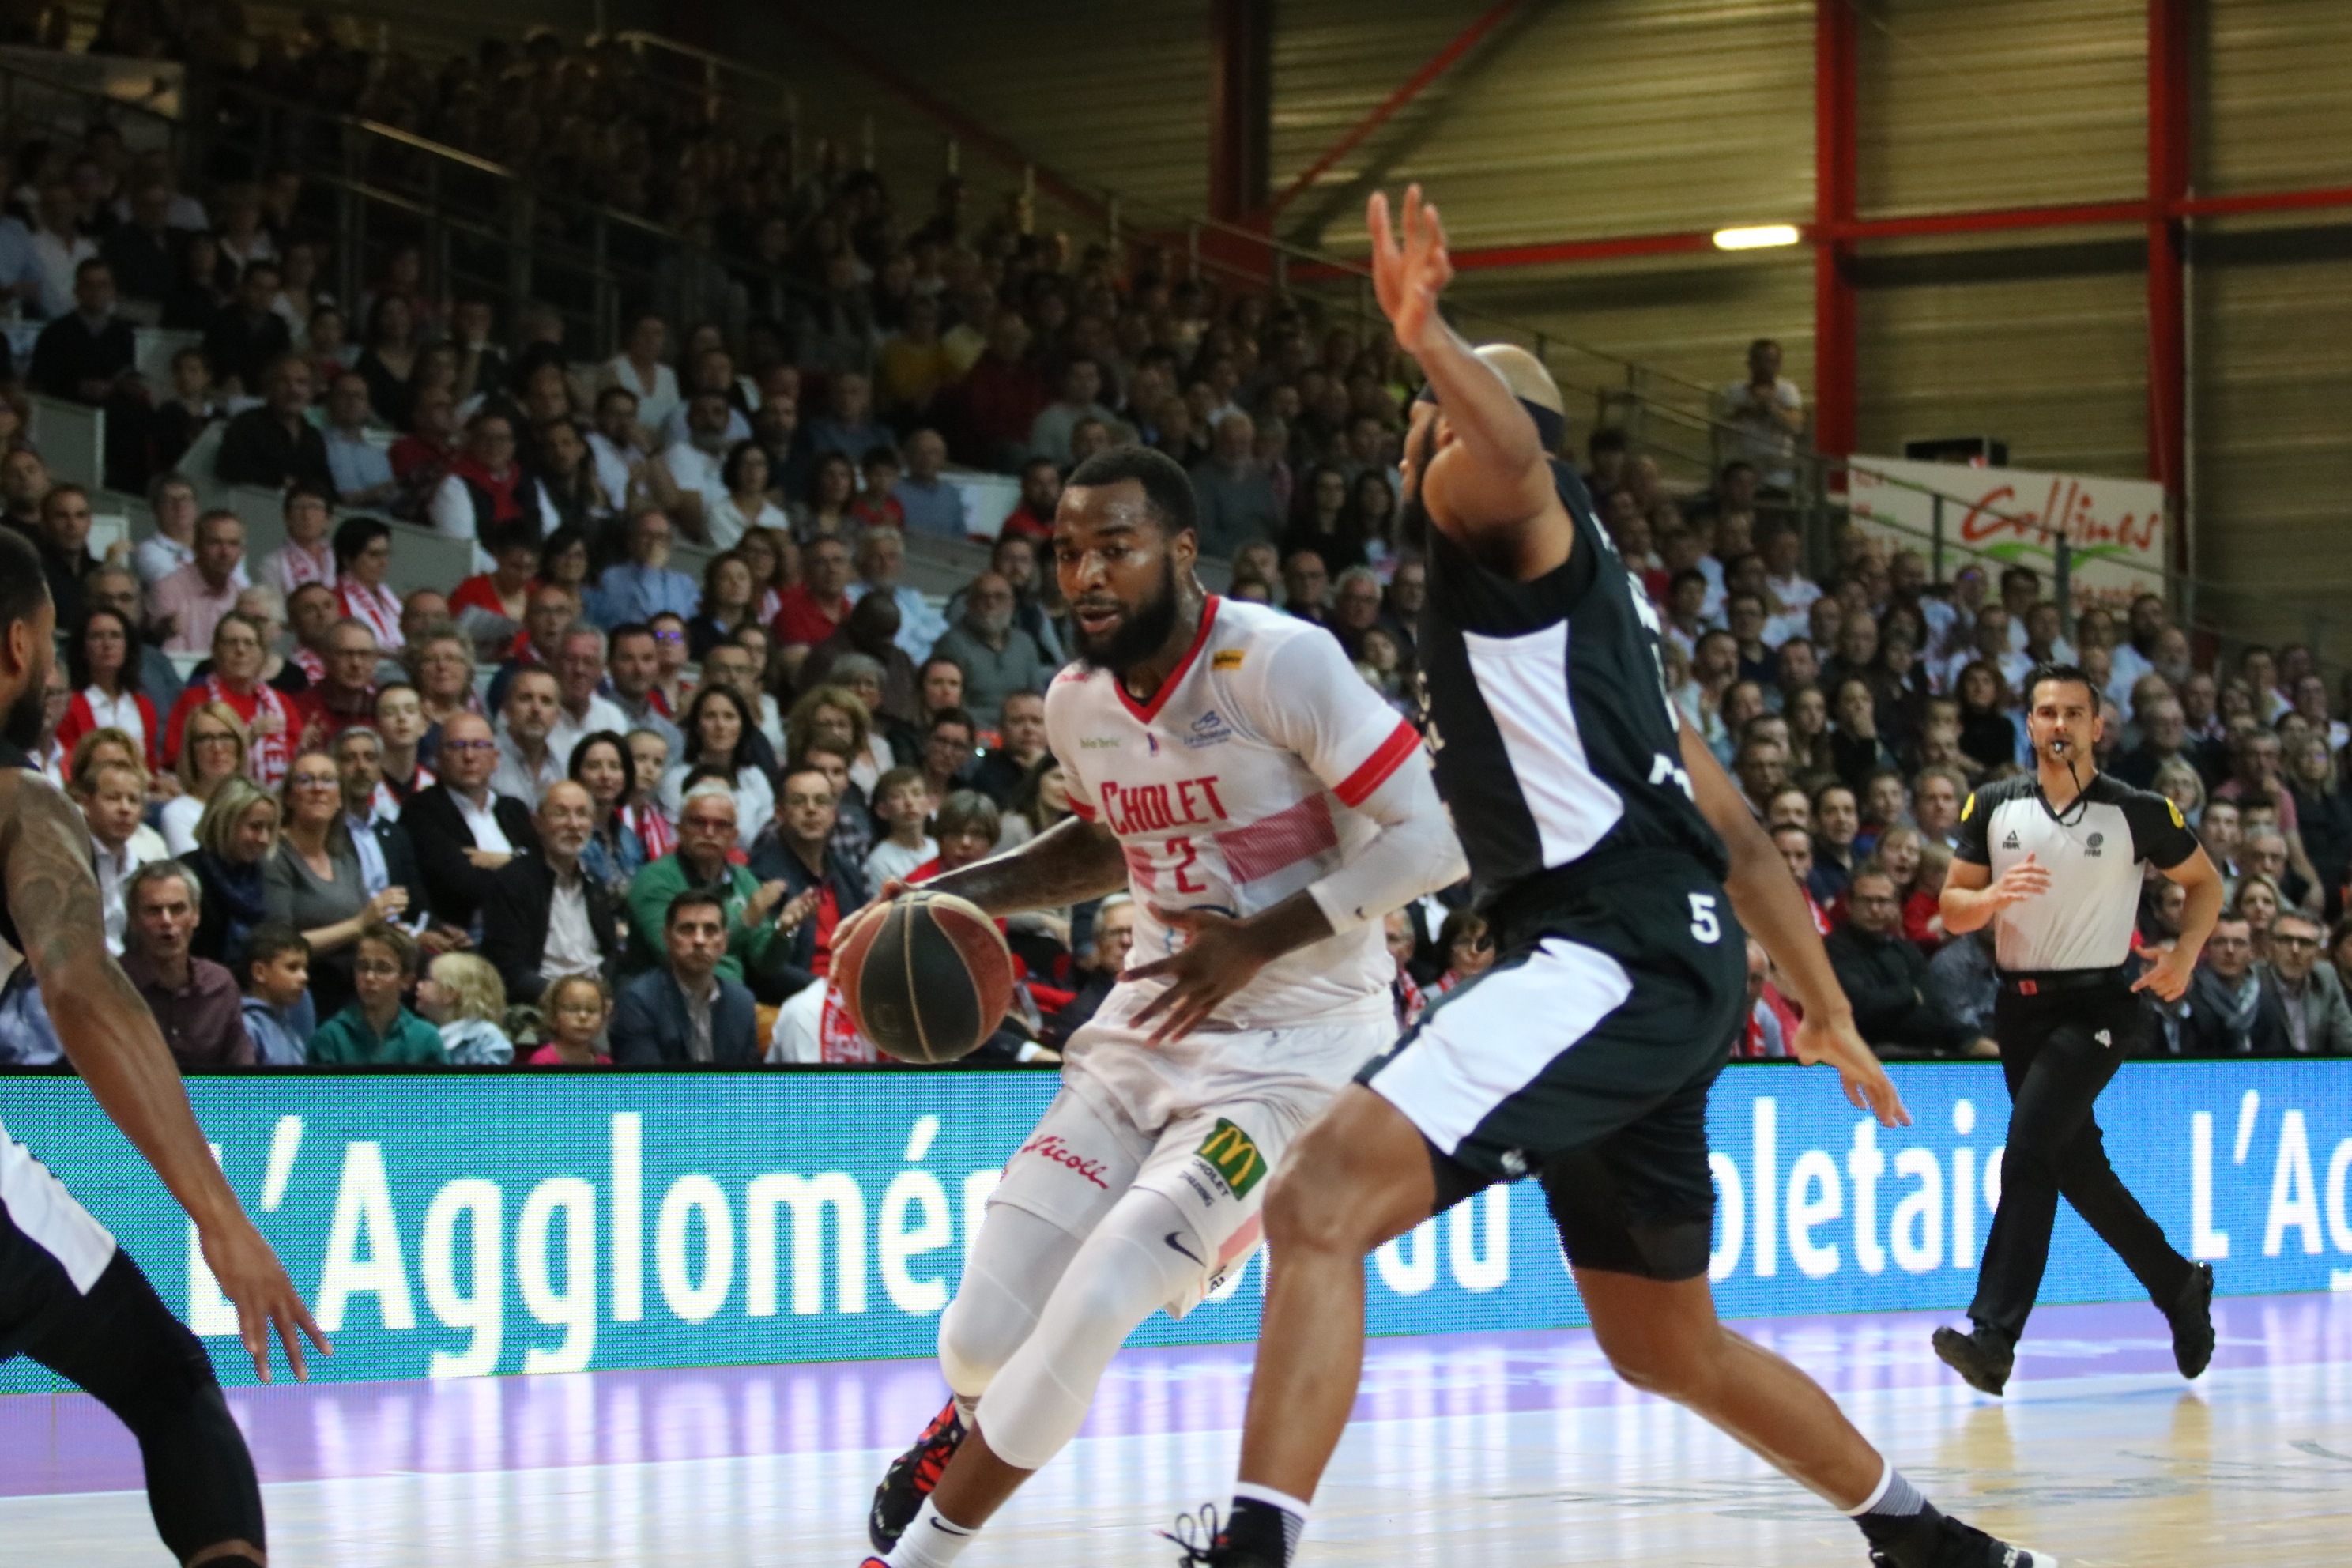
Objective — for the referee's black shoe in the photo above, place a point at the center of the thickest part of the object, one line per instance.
(2191, 1317)
(1983, 1357)
(1934, 1539)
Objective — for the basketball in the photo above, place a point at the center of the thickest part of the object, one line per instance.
(926, 977)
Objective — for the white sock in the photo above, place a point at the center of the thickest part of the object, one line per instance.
(929, 1541)
(1303, 1512)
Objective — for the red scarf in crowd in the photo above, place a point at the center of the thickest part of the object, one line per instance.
(504, 507)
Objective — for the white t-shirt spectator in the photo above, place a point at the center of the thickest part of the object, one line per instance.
(653, 403)
(692, 468)
(724, 521)
(890, 858)
(1770, 445)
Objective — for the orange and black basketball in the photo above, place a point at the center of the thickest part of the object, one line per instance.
(927, 977)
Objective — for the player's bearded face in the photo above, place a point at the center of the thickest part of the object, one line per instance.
(23, 726)
(1142, 627)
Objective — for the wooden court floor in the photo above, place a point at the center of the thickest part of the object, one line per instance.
(1513, 1450)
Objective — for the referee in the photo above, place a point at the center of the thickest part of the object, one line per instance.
(2052, 860)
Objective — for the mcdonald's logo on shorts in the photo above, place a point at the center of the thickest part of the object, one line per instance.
(1233, 1155)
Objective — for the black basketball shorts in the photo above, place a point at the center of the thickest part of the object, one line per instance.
(1584, 1058)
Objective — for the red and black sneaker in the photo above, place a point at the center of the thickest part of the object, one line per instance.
(911, 1477)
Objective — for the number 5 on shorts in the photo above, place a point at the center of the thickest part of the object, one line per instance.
(1704, 925)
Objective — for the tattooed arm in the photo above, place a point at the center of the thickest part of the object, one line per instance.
(106, 1029)
(1070, 862)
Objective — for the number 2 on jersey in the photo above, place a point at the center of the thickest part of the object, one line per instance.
(1186, 857)
(1704, 924)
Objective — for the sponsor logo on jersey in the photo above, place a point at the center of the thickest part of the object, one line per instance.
(1209, 729)
(2105, 1037)
(1052, 1148)
(2177, 820)
(2009, 842)
(1176, 1241)
(1151, 742)
(2092, 846)
(1226, 658)
(1232, 1154)
(1099, 743)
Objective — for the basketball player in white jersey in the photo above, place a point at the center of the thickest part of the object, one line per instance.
(1266, 810)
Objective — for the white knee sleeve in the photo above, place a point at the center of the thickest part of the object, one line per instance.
(1013, 1267)
(1125, 1271)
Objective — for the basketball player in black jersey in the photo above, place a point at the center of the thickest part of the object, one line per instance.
(68, 1298)
(1618, 864)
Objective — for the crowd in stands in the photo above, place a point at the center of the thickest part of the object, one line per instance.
(580, 805)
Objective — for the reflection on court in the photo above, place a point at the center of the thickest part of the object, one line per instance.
(1504, 1450)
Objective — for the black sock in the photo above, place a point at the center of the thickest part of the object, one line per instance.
(1264, 1530)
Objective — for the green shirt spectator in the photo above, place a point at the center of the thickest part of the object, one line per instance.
(351, 1036)
(706, 833)
(376, 1028)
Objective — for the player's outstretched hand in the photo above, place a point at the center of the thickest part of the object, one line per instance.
(1858, 1067)
(2168, 970)
(250, 1276)
(1409, 271)
(1218, 958)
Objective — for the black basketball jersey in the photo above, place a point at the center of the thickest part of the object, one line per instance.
(1555, 740)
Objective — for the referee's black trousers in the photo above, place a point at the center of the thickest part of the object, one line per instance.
(2057, 1066)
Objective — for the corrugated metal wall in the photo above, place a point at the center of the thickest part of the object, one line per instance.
(1573, 121)
(2277, 75)
(1114, 96)
(2053, 365)
(2271, 334)
(1972, 104)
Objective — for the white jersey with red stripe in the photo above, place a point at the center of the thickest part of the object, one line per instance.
(1234, 787)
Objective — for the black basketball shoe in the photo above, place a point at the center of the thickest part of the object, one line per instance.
(1934, 1539)
(1201, 1543)
(911, 1477)
(1982, 1357)
(2191, 1317)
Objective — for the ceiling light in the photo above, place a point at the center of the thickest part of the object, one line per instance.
(1758, 238)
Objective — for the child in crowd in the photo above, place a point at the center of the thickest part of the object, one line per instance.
(331, 353)
(193, 405)
(112, 797)
(280, 1018)
(575, 1009)
(377, 1028)
(876, 506)
(903, 802)
(1923, 912)
(462, 996)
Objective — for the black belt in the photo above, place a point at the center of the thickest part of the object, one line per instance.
(2049, 982)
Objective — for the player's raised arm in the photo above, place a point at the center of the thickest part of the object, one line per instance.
(1495, 474)
(1766, 898)
(113, 1042)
